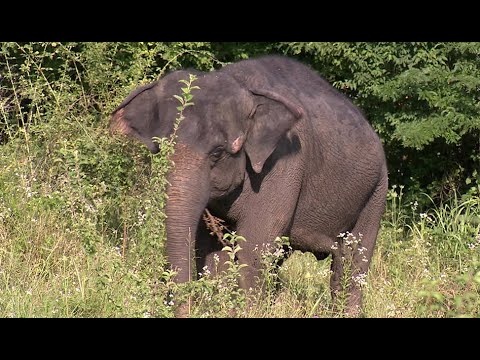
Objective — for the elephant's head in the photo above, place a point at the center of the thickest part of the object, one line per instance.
(228, 126)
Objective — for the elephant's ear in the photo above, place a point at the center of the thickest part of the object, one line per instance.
(273, 115)
(137, 115)
(133, 95)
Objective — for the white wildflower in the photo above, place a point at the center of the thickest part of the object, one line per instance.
(206, 271)
(278, 253)
(362, 249)
(360, 279)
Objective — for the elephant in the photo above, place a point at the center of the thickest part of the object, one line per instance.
(274, 150)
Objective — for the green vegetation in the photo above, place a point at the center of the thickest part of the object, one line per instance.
(81, 222)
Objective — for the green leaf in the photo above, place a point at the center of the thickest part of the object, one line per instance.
(180, 99)
(237, 249)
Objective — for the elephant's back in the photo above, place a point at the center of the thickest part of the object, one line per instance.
(280, 73)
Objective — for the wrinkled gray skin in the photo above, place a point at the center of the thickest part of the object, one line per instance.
(274, 150)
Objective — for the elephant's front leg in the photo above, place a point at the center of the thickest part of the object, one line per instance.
(258, 248)
(265, 216)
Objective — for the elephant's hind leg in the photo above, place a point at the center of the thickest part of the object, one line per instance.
(358, 254)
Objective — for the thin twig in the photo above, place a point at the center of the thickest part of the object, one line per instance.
(216, 226)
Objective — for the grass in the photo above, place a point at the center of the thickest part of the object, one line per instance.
(48, 270)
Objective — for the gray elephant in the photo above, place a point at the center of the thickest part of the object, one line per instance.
(274, 150)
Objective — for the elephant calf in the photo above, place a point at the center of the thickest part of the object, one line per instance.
(274, 150)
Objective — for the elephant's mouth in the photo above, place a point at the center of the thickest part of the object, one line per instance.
(219, 193)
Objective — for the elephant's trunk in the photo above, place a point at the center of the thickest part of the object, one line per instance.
(188, 195)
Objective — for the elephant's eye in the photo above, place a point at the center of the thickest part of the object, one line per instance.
(217, 152)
